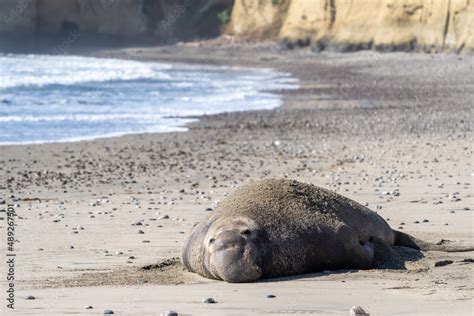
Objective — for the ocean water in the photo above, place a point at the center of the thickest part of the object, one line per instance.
(67, 98)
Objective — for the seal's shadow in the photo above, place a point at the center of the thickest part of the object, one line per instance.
(386, 257)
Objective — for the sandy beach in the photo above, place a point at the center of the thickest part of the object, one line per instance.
(392, 131)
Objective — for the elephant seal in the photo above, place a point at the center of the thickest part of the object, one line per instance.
(278, 227)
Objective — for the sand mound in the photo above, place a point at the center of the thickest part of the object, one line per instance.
(166, 272)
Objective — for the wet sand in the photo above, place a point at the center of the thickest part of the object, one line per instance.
(390, 130)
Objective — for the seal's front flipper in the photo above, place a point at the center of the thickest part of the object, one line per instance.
(363, 255)
(369, 248)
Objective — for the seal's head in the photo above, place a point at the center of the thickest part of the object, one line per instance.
(228, 249)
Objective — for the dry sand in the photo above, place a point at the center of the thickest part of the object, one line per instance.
(390, 130)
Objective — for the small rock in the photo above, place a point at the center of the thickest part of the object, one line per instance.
(88, 307)
(164, 217)
(30, 297)
(141, 232)
(271, 296)
(169, 313)
(209, 300)
(426, 221)
(443, 263)
(358, 311)
(108, 312)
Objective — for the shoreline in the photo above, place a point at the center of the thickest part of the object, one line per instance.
(377, 128)
(267, 85)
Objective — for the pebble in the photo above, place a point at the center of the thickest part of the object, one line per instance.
(108, 312)
(209, 300)
(164, 217)
(169, 313)
(443, 263)
(88, 307)
(30, 297)
(357, 311)
(271, 296)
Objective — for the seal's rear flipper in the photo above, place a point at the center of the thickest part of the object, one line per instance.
(405, 240)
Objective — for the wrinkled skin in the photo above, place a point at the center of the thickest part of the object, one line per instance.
(232, 251)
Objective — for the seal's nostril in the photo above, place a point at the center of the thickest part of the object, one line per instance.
(245, 232)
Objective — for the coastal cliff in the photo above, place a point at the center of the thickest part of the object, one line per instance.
(429, 25)
(343, 25)
(160, 19)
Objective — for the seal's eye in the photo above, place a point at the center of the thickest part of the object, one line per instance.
(211, 241)
(246, 232)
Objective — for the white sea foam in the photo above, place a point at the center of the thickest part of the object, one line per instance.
(34, 70)
(67, 98)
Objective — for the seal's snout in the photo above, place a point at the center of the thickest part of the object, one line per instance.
(235, 257)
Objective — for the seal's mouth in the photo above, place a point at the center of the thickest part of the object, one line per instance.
(235, 258)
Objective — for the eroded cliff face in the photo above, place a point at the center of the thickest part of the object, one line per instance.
(353, 24)
(118, 18)
(430, 25)
(107, 17)
(257, 18)
(17, 16)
